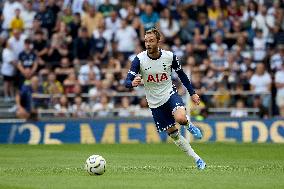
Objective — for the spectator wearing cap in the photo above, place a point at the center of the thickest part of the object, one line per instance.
(27, 64)
(279, 82)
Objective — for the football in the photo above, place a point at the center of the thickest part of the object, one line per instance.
(95, 165)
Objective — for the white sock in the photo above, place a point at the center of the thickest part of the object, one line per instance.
(183, 144)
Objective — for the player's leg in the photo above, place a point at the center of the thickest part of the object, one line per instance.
(184, 145)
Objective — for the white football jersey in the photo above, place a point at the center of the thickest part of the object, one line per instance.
(156, 75)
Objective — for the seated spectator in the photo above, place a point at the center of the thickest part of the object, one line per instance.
(56, 51)
(202, 26)
(70, 82)
(86, 69)
(104, 107)
(126, 109)
(262, 111)
(26, 104)
(8, 70)
(279, 82)
(187, 26)
(239, 111)
(221, 98)
(143, 108)
(216, 11)
(218, 60)
(218, 42)
(277, 59)
(52, 86)
(148, 19)
(79, 109)
(169, 27)
(65, 68)
(62, 108)
(178, 48)
(66, 15)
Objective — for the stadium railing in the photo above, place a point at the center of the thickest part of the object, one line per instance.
(216, 111)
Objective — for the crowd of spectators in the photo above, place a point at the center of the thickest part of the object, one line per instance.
(67, 48)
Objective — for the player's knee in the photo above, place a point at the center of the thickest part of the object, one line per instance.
(181, 119)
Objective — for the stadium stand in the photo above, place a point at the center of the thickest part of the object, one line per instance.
(69, 58)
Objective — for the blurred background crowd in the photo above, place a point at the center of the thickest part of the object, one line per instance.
(69, 58)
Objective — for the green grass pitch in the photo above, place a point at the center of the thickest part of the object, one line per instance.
(142, 166)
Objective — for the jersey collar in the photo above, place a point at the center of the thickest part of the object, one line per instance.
(155, 58)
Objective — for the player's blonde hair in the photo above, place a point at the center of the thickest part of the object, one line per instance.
(154, 31)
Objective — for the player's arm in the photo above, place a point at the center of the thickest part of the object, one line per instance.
(132, 80)
(184, 79)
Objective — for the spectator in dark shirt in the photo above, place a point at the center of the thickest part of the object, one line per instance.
(46, 17)
(82, 45)
(75, 25)
(27, 65)
(40, 48)
(26, 105)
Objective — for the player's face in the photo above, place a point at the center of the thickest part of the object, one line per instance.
(151, 43)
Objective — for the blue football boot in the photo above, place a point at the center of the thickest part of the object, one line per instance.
(194, 131)
(200, 164)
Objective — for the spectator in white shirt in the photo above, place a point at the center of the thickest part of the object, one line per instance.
(277, 59)
(239, 111)
(279, 81)
(126, 33)
(86, 69)
(169, 27)
(218, 42)
(28, 16)
(16, 42)
(8, 70)
(259, 46)
(260, 82)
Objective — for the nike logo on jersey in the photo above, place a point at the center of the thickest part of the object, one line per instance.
(157, 78)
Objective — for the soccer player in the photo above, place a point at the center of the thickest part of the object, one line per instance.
(155, 66)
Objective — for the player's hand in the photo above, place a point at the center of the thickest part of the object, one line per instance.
(195, 98)
(136, 81)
